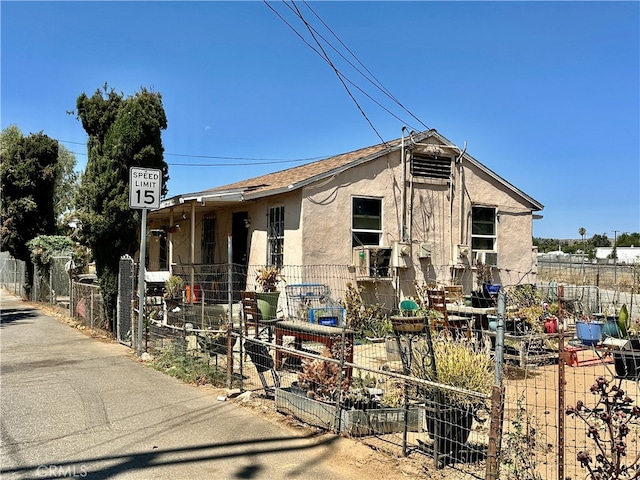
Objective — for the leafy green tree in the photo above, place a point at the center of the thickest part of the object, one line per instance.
(546, 245)
(628, 240)
(28, 173)
(66, 189)
(44, 247)
(123, 133)
(600, 240)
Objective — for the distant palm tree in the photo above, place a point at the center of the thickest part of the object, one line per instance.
(582, 231)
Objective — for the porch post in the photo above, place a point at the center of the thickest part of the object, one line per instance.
(192, 249)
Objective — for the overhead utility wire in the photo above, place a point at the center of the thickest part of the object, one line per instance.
(327, 60)
(341, 75)
(354, 67)
(338, 74)
(255, 161)
(375, 83)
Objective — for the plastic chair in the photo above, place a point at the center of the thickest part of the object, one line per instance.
(408, 308)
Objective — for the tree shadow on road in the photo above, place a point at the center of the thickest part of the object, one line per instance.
(15, 315)
(105, 467)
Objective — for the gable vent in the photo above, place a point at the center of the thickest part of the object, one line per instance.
(431, 166)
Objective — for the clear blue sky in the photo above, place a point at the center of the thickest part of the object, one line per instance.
(546, 94)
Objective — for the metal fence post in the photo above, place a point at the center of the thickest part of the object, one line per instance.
(497, 397)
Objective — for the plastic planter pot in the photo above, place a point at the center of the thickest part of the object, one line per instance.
(589, 333)
(627, 361)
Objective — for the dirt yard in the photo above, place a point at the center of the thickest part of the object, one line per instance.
(537, 387)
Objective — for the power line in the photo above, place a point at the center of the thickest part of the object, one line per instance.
(375, 83)
(342, 77)
(254, 161)
(338, 73)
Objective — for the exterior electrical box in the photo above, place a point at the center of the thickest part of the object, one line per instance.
(424, 250)
(401, 254)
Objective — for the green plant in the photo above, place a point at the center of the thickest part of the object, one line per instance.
(532, 316)
(459, 363)
(517, 460)
(393, 395)
(44, 247)
(484, 275)
(367, 320)
(609, 423)
(269, 277)
(173, 286)
(176, 362)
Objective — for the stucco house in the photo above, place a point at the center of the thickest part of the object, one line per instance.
(413, 209)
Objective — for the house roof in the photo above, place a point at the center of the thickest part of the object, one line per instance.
(298, 177)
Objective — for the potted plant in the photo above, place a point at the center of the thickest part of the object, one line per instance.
(589, 330)
(482, 297)
(173, 287)
(173, 291)
(267, 279)
(320, 397)
(455, 363)
(627, 357)
(369, 321)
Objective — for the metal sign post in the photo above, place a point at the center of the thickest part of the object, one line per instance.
(145, 188)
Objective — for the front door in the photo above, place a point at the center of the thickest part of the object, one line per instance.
(240, 247)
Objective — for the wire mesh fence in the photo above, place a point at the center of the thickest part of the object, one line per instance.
(86, 305)
(352, 357)
(575, 270)
(12, 274)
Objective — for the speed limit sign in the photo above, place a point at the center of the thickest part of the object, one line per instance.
(145, 187)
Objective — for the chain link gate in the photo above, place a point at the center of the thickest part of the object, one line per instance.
(124, 327)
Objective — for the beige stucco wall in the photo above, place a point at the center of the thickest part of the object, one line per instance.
(433, 217)
(318, 223)
(293, 232)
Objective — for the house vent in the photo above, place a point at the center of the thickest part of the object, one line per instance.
(431, 166)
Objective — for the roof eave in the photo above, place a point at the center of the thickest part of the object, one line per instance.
(536, 206)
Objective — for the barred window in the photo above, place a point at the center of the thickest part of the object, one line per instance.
(275, 236)
(208, 243)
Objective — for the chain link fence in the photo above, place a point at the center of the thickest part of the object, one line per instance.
(339, 353)
(12, 274)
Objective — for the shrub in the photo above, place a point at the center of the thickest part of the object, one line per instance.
(609, 423)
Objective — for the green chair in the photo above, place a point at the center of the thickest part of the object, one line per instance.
(408, 308)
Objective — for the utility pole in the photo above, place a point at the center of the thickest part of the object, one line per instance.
(615, 257)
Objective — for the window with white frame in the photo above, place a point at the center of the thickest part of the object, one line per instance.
(208, 241)
(483, 229)
(366, 221)
(275, 236)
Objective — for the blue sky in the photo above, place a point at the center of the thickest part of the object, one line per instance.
(546, 94)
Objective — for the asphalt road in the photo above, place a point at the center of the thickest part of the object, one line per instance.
(75, 406)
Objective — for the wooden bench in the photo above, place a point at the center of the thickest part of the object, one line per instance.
(310, 332)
